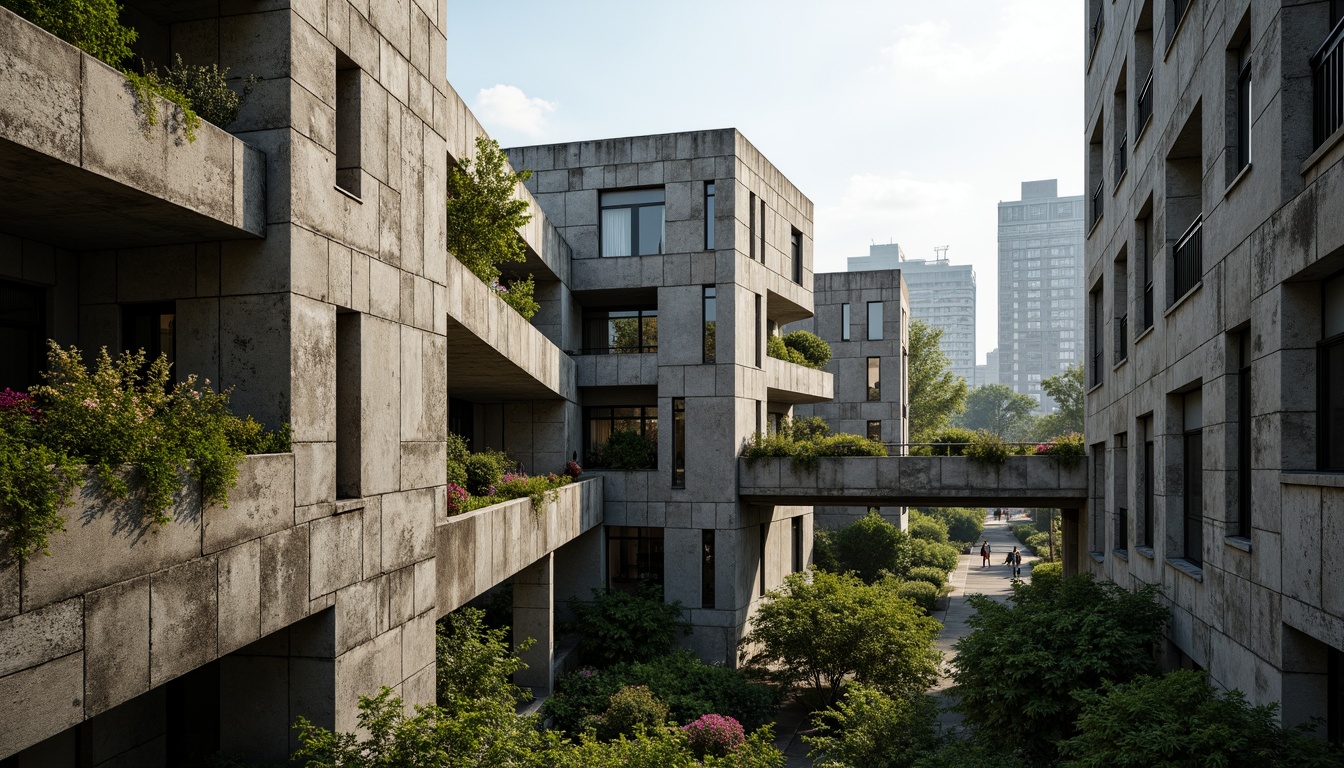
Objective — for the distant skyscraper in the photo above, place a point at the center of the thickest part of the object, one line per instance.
(989, 372)
(1040, 287)
(941, 294)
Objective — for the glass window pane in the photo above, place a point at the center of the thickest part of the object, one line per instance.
(616, 232)
(709, 216)
(650, 229)
(874, 320)
(650, 333)
(632, 197)
(844, 322)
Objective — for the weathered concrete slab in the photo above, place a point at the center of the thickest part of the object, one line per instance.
(787, 382)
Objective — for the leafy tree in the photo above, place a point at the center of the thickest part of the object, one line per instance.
(997, 409)
(869, 546)
(93, 26)
(1018, 671)
(1066, 389)
(1178, 720)
(483, 218)
(936, 394)
(869, 729)
(823, 628)
(622, 627)
(962, 524)
(476, 662)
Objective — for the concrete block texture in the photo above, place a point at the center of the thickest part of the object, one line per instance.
(261, 503)
(50, 696)
(32, 638)
(184, 614)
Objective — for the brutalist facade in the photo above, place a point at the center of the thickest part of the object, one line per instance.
(687, 250)
(1215, 325)
(864, 317)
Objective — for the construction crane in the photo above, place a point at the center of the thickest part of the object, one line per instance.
(940, 252)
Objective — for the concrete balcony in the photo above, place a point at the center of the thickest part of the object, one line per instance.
(121, 606)
(80, 171)
(617, 370)
(482, 548)
(787, 382)
(920, 481)
(493, 353)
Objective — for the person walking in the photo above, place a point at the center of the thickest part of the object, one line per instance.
(997, 514)
(984, 554)
(1017, 563)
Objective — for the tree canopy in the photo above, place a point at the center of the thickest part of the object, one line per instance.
(1066, 389)
(936, 393)
(999, 410)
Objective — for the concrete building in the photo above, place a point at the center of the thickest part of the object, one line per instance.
(701, 232)
(942, 294)
(1040, 287)
(1215, 335)
(864, 316)
(987, 372)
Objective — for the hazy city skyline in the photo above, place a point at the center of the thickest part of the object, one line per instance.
(903, 122)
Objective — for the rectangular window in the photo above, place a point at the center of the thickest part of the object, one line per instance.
(634, 554)
(23, 335)
(1149, 481)
(1143, 239)
(1244, 434)
(1334, 676)
(349, 408)
(1243, 94)
(707, 568)
(762, 231)
(1096, 527)
(620, 331)
(760, 337)
(1098, 324)
(844, 321)
(875, 430)
(678, 442)
(1193, 476)
(633, 222)
(709, 215)
(627, 423)
(760, 416)
(348, 130)
(796, 528)
(796, 249)
(751, 227)
(709, 293)
(764, 535)
(874, 321)
(1121, 491)
(1330, 394)
(874, 379)
(152, 328)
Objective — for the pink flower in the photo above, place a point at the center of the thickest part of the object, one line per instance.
(457, 498)
(90, 403)
(714, 735)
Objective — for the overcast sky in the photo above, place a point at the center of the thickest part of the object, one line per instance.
(903, 120)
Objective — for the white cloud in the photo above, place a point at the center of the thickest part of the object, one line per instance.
(505, 109)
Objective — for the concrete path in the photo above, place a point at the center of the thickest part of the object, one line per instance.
(971, 578)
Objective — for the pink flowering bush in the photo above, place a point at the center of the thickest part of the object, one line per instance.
(714, 735)
(572, 469)
(457, 499)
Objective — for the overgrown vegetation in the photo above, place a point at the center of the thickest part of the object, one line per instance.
(808, 439)
(628, 627)
(871, 729)
(801, 347)
(625, 449)
(963, 524)
(936, 394)
(488, 477)
(820, 629)
(1067, 450)
(121, 414)
(94, 26)
(873, 549)
(483, 219)
(988, 448)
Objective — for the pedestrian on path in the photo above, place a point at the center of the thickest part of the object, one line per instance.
(1017, 563)
(998, 513)
(984, 554)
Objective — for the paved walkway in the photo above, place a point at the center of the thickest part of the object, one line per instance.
(969, 579)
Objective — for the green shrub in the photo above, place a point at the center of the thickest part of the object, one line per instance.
(776, 348)
(870, 547)
(207, 91)
(806, 427)
(622, 627)
(629, 711)
(950, 441)
(921, 593)
(1047, 571)
(483, 473)
(1019, 671)
(869, 729)
(147, 85)
(806, 440)
(935, 576)
(625, 449)
(931, 554)
(925, 527)
(483, 217)
(1177, 719)
(815, 351)
(457, 459)
(1067, 450)
(688, 686)
(988, 448)
(976, 752)
(93, 26)
(475, 662)
(962, 524)
(823, 551)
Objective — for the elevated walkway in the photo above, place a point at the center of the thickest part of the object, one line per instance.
(915, 481)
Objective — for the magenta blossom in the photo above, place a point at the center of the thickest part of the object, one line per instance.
(714, 735)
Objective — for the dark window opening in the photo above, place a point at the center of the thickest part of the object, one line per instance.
(633, 222)
(751, 227)
(764, 536)
(760, 337)
(709, 298)
(620, 331)
(1149, 483)
(349, 141)
(796, 528)
(349, 432)
(1243, 92)
(1193, 485)
(1121, 491)
(634, 555)
(796, 249)
(152, 328)
(707, 568)
(678, 442)
(23, 335)
(1244, 434)
(604, 421)
(874, 379)
(1330, 392)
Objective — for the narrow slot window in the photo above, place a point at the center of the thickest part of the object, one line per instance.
(707, 568)
(349, 468)
(709, 215)
(874, 379)
(349, 140)
(844, 321)
(709, 298)
(874, 321)
(678, 442)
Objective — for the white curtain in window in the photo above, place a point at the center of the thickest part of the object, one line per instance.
(616, 232)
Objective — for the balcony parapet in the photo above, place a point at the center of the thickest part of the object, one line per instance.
(85, 171)
(479, 549)
(788, 382)
(619, 370)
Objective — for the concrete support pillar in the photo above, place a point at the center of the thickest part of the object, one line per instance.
(534, 617)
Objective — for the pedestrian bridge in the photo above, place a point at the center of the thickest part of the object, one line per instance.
(913, 481)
